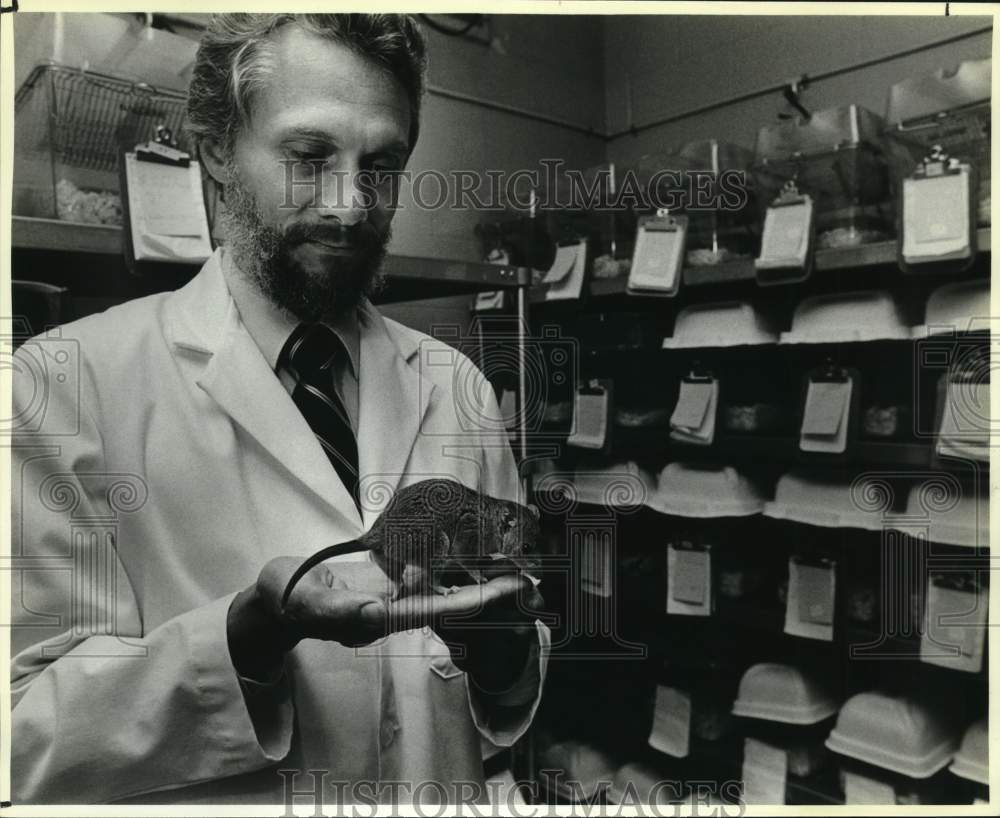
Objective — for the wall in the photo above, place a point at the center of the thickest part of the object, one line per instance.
(551, 66)
(547, 65)
(660, 66)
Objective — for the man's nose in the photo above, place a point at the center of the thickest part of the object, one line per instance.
(344, 199)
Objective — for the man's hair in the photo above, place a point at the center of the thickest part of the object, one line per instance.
(234, 61)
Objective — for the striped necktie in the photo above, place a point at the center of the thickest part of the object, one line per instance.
(309, 355)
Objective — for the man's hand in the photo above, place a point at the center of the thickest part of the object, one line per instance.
(489, 628)
(341, 602)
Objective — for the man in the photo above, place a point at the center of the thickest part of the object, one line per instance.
(217, 436)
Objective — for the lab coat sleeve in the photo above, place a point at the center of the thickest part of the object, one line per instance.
(102, 708)
(501, 721)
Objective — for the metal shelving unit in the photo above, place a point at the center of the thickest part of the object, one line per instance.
(878, 254)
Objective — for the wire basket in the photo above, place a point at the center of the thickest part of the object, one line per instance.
(70, 126)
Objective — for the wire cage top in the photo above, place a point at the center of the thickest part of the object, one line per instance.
(89, 117)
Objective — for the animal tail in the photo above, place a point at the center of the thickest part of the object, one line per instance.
(349, 547)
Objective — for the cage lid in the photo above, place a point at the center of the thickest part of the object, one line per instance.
(721, 324)
(825, 130)
(963, 306)
(638, 783)
(830, 501)
(846, 317)
(940, 511)
(897, 734)
(778, 692)
(972, 759)
(704, 491)
(622, 484)
(968, 83)
(584, 769)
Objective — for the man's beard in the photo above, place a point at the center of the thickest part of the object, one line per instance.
(267, 256)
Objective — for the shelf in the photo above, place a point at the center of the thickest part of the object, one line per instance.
(65, 237)
(878, 254)
(409, 277)
(414, 277)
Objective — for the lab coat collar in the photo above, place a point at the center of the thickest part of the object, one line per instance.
(393, 396)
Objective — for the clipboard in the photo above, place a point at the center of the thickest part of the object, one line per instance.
(163, 201)
(810, 608)
(822, 430)
(937, 216)
(695, 414)
(658, 257)
(592, 409)
(777, 264)
(954, 621)
(689, 579)
(564, 280)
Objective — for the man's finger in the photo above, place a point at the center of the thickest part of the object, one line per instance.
(507, 593)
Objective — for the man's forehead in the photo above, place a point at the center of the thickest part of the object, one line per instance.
(314, 77)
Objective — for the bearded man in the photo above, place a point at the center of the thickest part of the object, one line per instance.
(218, 435)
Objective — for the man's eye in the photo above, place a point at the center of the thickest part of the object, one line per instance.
(304, 153)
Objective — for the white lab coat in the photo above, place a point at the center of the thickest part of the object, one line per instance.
(152, 483)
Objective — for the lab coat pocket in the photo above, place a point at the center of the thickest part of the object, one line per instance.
(442, 665)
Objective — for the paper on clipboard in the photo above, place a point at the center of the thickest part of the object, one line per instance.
(936, 217)
(166, 211)
(671, 729)
(965, 424)
(693, 418)
(564, 280)
(689, 581)
(954, 631)
(809, 608)
(765, 771)
(564, 261)
(826, 417)
(590, 420)
(785, 242)
(859, 789)
(658, 258)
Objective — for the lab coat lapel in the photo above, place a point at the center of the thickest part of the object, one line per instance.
(393, 399)
(239, 380)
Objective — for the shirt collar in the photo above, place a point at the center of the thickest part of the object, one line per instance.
(270, 326)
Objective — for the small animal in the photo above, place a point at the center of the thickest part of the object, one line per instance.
(438, 529)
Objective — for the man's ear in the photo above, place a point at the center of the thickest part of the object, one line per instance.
(213, 157)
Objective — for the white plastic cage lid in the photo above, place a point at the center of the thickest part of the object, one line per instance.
(967, 83)
(778, 692)
(973, 757)
(638, 783)
(584, 769)
(963, 306)
(872, 315)
(700, 491)
(830, 501)
(941, 510)
(722, 324)
(622, 484)
(897, 734)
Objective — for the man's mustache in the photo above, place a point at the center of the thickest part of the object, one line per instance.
(361, 236)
